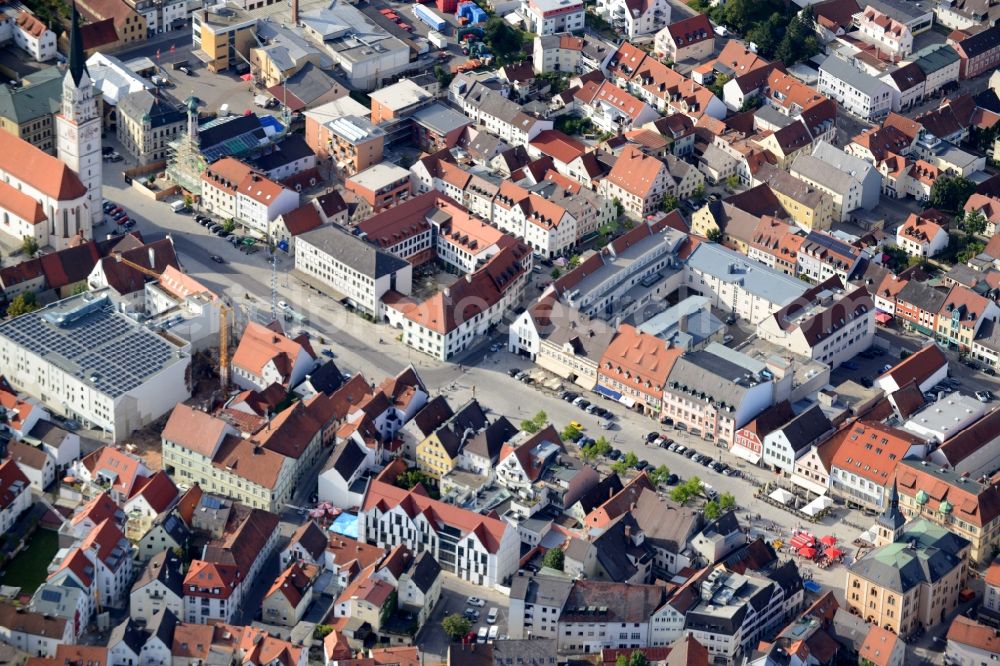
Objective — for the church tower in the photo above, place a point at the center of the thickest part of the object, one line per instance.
(78, 134)
(890, 524)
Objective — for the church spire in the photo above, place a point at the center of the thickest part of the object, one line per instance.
(77, 61)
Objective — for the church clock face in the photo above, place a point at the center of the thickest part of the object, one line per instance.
(90, 133)
(71, 132)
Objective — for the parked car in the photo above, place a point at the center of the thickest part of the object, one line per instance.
(984, 396)
(614, 454)
(328, 353)
(512, 372)
(584, 404)
(491, 617)
(651, 436)
(217, 259)
(475, 601)
(673, 480)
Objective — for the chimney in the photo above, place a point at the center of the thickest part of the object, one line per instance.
(152, 257)
(682, 323)
(628, 531)
(295, 12)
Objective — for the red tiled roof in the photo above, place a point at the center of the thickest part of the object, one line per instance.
(559, 146)
(45, 173)
(13, 483)
(384, 496)
(20, 205)
(158, 490)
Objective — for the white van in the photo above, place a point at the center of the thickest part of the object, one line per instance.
(481, 636)
(494, 632)
(491, 617)
(178, 206)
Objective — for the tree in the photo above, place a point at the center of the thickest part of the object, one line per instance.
(699, 192)
(555, 272)
(687, 491)
(714, 235)
(455, 626)
(443, 76)
(574, 261)
(951, 192)
(727, 502)
(717, 83)
(502, 38)
(23, 303)
(973, 222)
(638, 659)
(80, 288)
(188, 200)
(799, 41)
(229, 224)
(554, 559)
(571, 433)
(411, 477)
(767, 34)
(732, 182)
(712, 510)
(626, 463)
(659, 475)
(535, 423)
(669, 203)
(321, 631)
(29, 246)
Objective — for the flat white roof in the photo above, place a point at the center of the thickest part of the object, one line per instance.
(379, 176)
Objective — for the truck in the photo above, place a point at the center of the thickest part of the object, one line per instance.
(428, 16)
(437, 39)
(159, 80)
(178, 206)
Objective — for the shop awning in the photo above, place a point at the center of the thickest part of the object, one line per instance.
(627, 401)
(614, 395)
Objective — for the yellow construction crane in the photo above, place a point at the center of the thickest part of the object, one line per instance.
(223, 321)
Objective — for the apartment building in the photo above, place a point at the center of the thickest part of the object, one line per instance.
(480, 549)
(809, 207)
(735, 284)
(381, 185)
(864, 459)
(962, 315)
(921, 237)
(635, 18)
(266, 356)
(32, 35)
(828, 323)
(783, 446)
(536, 602)
(690, 39)
(147, 124)
(634, 368)
(158, 589)
(965, 506)
(850, 182)
(355, 270)
(451, 320)
(216, 584)
(857, 92)
(885, 33)
(550, 17)
(713, 392)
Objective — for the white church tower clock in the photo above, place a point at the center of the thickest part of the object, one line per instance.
(78, 126)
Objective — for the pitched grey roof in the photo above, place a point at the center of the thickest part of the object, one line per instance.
(38, 97)
(164, 567)
(348, 459)
(128, 633)
(805, 428)
(457, 430)
(292, 149)
(922, 295)
(541, 590)
(666, 525)
(353, 252)
(161, 109)
(710, 377)
(424, 571)
(162, 626)
(844, 71)
(821, 171)
(924, 554)
(488, 442)
(524, 652)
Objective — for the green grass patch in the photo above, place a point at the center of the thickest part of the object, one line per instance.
(29, 569)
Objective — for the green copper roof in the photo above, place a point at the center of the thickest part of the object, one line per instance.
(922, 497)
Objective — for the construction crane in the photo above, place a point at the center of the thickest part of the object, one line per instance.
(223, 321)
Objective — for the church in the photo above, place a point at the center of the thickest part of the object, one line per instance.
(56, 200)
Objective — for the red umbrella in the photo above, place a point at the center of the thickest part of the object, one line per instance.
(833, 553)
(829, 540)
(807, 552)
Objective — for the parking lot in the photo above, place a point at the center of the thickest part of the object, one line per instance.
(454, 595)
